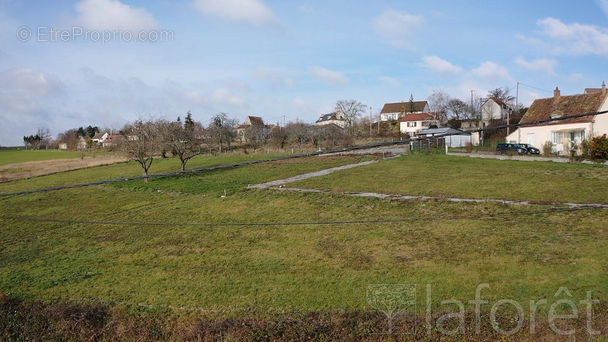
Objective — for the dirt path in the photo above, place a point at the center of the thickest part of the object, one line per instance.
(308, 175)
(43, 167)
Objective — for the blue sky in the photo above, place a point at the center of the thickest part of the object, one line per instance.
(275, 58)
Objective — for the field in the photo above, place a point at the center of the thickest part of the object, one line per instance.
(22, 156)
(177, 248)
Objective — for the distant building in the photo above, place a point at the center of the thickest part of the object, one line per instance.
(494, 109)
(395, 111)
(412, 123)
(62, 146)
(564, 135)
(100, 137)
(333, 118)
(453, 137)
(471, 125)
(112, 141)
(252, 122)
(82, 144)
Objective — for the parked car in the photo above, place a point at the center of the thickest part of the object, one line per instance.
(504, 148)
(530, 149)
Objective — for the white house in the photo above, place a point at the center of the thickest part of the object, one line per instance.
(334, 118)
(411, 124)
(564, 134)
(100, 137)
(394, 111)
(493, 109)
(453, 137)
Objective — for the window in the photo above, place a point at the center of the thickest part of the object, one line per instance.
(411, 124)
(556, 137)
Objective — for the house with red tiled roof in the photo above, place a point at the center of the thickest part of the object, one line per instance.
(252, 123)
(568, 134)
(396, 110)
(414, 122)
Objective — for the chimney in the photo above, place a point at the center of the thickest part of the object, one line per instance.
(556, 95)
(603, 87)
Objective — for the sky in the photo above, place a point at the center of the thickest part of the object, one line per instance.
(65, 64)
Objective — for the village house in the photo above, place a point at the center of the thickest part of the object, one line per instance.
(100, 137)
(252, 122)
(395, 111)
(412, 123)
(334, 118)
(112, 141)
(564, 135)
(494, 109)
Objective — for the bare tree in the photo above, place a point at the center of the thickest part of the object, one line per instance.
(350, 110)
(256, 135)
(184, 140)
(458, 109)
(438, 103)
(503, 95)
(222, 130)
(298, 133)
(142, 141)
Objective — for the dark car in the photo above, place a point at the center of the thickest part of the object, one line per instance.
(508, 148)
(530, 149)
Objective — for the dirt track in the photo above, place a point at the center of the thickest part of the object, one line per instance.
(43, 167)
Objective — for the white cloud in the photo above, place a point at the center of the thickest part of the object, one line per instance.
(251, 11)
(543, 65)
(492, 71)
(273, 78)
(397, 27)
(390, 81)
(328, 76)
(603, 4)
(575, 38)
(225, 96)
(113, 15)
(440, 65)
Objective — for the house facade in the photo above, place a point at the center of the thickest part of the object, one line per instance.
(412, 123)
(334, 118)
(493, 109)
(395, 111)
(252, 122)
(100, 137)
(564, 135)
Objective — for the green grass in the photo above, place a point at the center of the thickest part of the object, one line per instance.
(120, 170)
(237, 270)
(452, 176)
(21, 156)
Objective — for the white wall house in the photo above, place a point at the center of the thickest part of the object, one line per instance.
(493, 109)
(395, 111)
(412, 123)
(100, 137)
(566, 134)
(334, 118)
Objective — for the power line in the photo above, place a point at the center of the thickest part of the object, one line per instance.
(536, 88)
(292, 223)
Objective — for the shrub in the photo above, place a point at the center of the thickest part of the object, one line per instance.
(547, 149)
(468, 147)
(598, 148)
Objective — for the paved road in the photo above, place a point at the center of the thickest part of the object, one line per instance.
(521, 158)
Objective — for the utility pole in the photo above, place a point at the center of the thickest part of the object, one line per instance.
(370, 121)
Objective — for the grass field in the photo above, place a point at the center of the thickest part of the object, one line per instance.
(22, 156)
(439, 175)
(227, 271)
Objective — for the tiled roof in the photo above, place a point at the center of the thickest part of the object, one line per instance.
(417, 117)
(98, 135)
(547, 108)
(328, 117)
(256, 121)
(403, 107)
